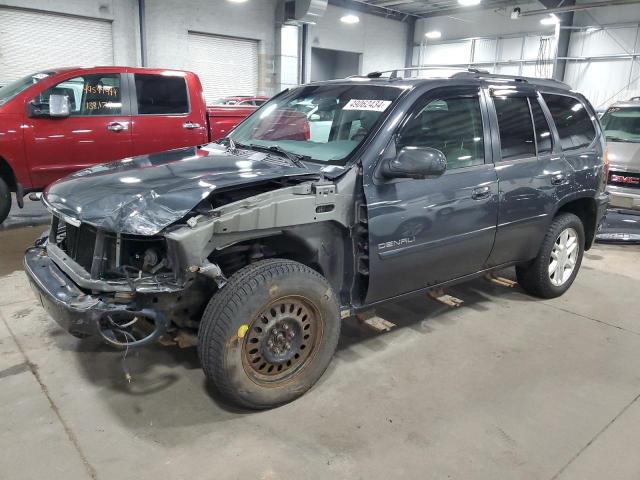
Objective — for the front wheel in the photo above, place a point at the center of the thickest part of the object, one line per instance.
(269, 334)
(555, 268)
(5, 200)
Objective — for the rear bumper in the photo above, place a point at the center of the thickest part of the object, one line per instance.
(620, 226)
(75, 311)
(626, 198)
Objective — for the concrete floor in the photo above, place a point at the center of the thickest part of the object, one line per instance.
(504, 387)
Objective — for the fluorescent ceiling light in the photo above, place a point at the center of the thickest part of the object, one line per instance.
(351, 19)
(433, 34)
(550, 20)
(236, 1)
(469, 3)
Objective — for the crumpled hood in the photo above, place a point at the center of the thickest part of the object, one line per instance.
(624, 156)
(145, 194)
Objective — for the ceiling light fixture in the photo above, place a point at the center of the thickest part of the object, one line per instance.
(237, 1)
(433, 34)
(350, 19)
(550, 20)
(469, 3)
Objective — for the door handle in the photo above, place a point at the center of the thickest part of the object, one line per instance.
(558, 179)
(190, 125)
(116, 127)
(480, 193)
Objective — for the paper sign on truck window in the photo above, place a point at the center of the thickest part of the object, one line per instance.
(368, 105)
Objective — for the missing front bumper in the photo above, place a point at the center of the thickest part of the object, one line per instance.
(85, 315)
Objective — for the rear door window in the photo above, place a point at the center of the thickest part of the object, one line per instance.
(161, 95)
(516, 127)
(572, 120)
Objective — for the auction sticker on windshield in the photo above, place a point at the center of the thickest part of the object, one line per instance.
(368, 105)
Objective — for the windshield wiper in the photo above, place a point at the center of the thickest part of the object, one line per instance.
(293, 157)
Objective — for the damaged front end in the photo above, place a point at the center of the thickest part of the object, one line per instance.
(138, 265)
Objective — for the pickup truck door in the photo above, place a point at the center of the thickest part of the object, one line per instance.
(428, 231)
(96, 131)
(531, 172)
(168, 112)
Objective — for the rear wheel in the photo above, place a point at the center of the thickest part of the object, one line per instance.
(269, 334)
(5, 200)
(555, 268)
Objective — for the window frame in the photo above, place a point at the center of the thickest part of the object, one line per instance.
(591, 115)
(553, 138)
(458, 91)
(125, 110)
(133, 97)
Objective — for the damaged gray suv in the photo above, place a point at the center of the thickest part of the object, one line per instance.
(331, 199)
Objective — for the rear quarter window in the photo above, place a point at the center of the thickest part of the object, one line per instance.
(572, 120)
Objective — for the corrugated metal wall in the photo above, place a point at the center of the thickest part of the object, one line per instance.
(32, 41)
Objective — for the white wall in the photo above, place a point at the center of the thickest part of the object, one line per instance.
(123, 15)
(169, 21)
(382, 42)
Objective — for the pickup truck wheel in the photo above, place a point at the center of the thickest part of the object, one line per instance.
(269, 334)
(555, 268)
(5, 200)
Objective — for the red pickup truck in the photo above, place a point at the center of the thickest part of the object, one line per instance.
(55, 122)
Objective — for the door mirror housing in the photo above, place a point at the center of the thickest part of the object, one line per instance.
(415, 162)
(59, 106)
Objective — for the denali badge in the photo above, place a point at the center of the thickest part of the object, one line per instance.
(396, 243)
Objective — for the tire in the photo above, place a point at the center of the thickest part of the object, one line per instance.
(538, 277)
(5, 200)
(278, 301)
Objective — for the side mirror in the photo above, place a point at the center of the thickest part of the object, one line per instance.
(59, 106)
(415, 162)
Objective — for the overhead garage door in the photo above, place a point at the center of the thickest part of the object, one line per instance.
(32, 41)
(226, 66)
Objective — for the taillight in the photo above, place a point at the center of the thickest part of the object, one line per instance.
(307, 130)
(606, 165)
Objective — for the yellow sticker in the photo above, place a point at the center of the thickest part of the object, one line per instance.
(242, 330)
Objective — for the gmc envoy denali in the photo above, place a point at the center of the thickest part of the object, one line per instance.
(330, 199)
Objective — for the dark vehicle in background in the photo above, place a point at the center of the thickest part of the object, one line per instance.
(55, 122)
(256, 246)
(621, 125)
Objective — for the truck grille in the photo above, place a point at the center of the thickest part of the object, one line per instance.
(624, 179)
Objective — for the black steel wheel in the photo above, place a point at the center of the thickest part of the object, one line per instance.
(269, 334)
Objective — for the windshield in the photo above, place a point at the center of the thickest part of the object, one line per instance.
(322, 123)
(15, 88)
(622, 124)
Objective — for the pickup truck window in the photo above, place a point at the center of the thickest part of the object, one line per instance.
(516, 127)
(324, 123)
(572, 121)
(452, 125)
(13, 89)
(89, 95)
(161, 95)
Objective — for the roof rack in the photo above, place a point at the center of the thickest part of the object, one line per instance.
(394, 72)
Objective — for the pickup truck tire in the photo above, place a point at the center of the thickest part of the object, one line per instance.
(555, 268)
(5, 200)
(269, 334)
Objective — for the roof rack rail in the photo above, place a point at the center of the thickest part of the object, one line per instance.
(394, 72)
